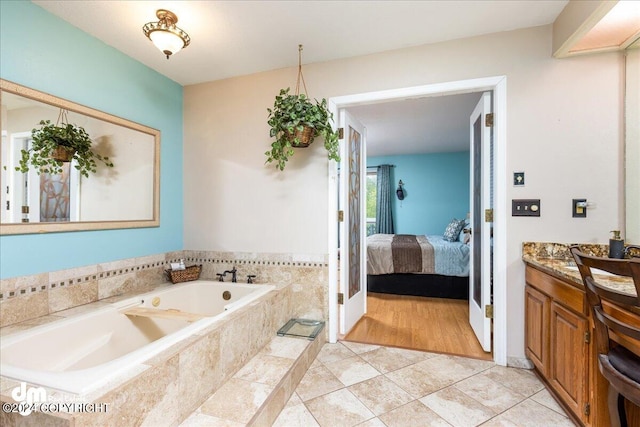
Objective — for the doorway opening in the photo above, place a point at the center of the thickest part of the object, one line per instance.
(498, 86)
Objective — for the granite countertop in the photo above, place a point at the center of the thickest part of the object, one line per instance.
(555, 259)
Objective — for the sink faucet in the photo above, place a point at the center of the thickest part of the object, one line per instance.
(630, 249)
(233, 272)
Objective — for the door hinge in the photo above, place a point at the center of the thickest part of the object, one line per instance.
(340, 216)
(488, 215)
(587, 409)
(587, 337)
(8, 205)
(488, 120)
(25, 209)
(340, 298)
(488, 311)
(340, 133)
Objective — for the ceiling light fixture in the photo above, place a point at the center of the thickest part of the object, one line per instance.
(164, 33)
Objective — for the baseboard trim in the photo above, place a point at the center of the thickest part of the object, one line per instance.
(519, 362)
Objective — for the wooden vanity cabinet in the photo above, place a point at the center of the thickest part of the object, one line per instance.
(558, 339)
(559, 335)
(569, 359)
(537, 328)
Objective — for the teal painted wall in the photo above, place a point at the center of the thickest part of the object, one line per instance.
(39, 50)
(436, 190)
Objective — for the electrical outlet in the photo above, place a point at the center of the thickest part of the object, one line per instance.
(525, 207)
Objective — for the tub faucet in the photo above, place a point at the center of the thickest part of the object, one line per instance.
(233, 272)
(221, 276)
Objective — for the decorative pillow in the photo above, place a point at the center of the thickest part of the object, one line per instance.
(467, 236)
(462, 236)
(452, 231)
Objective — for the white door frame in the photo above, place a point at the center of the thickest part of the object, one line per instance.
(497, 84)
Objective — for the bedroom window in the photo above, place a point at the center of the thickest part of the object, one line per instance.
(372, 180)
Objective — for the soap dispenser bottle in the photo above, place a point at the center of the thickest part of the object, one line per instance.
(616, 245)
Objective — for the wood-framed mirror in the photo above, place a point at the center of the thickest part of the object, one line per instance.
(126, 195)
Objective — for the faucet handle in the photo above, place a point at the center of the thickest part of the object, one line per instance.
(250, 278)
(221, 276)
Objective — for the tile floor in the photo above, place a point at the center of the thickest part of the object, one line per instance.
(352, 384)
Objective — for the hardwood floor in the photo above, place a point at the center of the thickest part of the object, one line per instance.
(431, 324)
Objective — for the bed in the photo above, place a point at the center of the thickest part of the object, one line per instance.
(430, 266)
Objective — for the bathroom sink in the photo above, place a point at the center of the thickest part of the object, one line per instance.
(593, 270)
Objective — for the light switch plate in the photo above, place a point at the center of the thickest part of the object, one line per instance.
(577, 211)
(525, 207)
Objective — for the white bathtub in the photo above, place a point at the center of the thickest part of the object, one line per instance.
(83, 352)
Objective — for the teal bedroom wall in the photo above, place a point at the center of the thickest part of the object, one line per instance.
(41, 51)
(436, 190)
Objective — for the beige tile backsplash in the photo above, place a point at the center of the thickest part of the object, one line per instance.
(29, 297)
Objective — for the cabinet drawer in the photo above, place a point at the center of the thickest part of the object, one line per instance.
(562, 292)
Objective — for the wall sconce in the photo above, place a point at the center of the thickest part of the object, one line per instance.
(400, 191)
(164, 33)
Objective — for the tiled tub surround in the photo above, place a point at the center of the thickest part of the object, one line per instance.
(83, 352)
(307, 274)
(168, 387)
(31, 300)
(172, 384)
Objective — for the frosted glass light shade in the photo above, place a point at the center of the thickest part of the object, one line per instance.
(167, 42)
(165, 34)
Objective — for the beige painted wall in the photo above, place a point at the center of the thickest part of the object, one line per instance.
(632, 136)
(563, 128)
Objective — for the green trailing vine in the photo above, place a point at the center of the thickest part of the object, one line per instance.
(293, 113)
(74, 139)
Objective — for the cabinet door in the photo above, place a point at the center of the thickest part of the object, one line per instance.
(569, 369)
(537, 328)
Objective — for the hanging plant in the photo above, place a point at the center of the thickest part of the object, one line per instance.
(295, 121)
(54, 144)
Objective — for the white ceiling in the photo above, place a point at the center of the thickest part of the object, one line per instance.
(231, 38)
(424, 125)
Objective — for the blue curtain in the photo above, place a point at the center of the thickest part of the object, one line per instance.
(384, 217)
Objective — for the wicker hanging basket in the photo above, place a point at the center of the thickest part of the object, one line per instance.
(62, 153)
(304, 137)
(188, 274)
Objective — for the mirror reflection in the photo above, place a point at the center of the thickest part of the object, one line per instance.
(124, 195)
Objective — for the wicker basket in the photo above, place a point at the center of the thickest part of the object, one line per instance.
(62, 154)
(305, 136)
(188, 274)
